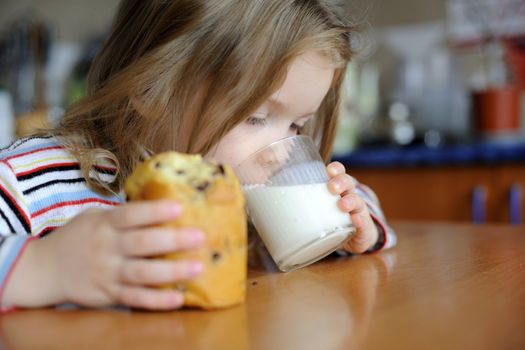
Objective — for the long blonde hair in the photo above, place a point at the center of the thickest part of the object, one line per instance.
(163, 55)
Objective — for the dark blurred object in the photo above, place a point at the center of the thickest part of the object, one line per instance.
(420, 156)
(25, 53)
(76, 86)
(516, 56)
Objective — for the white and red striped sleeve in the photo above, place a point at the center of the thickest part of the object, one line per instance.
(15, 226)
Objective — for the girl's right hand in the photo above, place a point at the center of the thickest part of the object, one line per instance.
(103, 257)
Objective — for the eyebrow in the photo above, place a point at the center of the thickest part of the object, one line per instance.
(281, 104)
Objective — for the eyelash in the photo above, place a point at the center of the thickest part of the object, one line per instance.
(262, 122)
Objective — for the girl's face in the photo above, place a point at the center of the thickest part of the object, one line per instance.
(283, 114)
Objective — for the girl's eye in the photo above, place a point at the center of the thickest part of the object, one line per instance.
(262, 121)
(256, 121)
(296, 127)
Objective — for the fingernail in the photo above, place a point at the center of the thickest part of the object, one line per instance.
(197, 237)
(176, 299)
(196, 268)
(175, 208)
(334, 167)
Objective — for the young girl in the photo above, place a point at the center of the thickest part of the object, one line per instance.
(217, 77)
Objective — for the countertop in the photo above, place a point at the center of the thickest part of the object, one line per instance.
(445, 286)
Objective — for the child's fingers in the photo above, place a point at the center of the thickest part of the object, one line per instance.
(143, 213)
(357, 221)
(341, 184)
(358, 243)
(152, 272)
(351, 203)
(335, 168)
(151, 299)
(364, 237)
(158, 240)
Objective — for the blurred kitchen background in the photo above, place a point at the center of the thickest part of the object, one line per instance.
(434, 113)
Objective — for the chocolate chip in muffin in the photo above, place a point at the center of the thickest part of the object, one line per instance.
(203, 186)
(219, 170)
(216, 256)
(158, 165)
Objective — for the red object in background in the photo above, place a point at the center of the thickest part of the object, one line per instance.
(516, 56)
(497, 110)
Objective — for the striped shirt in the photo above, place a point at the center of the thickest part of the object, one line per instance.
(42, 188)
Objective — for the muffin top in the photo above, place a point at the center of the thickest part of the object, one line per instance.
(194, 177)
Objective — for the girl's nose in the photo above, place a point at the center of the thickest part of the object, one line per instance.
(275, 155)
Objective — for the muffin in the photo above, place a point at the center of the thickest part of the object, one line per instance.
(212, 201)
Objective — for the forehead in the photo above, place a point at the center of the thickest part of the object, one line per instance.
(307, 82)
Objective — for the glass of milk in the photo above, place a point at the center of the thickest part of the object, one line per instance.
(288, 201)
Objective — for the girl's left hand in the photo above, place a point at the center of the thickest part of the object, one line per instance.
(366, 234)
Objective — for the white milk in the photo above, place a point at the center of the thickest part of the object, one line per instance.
(291, 217)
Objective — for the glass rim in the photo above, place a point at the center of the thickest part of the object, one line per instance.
(300, 137)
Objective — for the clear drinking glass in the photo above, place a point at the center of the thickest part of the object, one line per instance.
(288, 201)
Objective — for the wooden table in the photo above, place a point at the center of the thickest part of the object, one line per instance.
(445, 286)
